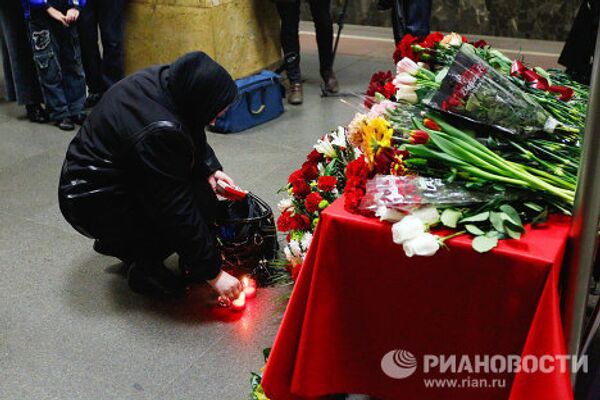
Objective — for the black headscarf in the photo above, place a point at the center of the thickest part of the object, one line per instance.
(200, 88)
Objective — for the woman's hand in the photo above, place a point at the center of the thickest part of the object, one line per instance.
(219, 176)
(72, 15)
(57, 15)
(227, 286)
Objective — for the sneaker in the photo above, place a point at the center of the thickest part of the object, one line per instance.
(154, 280)
(65, 124)
(36, 113)
(296, 97)
(330, 82)
(79, 119)
(92, 99)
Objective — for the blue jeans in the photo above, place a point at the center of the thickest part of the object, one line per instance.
(57, 59)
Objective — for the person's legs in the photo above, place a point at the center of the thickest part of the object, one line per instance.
(19, 59)
(87, 26)
(45, 55)
(321, 14)
(110, 19)
(289, 12)
(72, 69)
(9, 83)
(418, 14)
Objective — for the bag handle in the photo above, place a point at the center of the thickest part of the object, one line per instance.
(262, 101)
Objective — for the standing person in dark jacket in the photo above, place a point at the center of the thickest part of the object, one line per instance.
(19, 72)
(289, 11)
(57, 57)
(141, 178)
(101, 72)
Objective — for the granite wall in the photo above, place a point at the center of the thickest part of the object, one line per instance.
(535, 19)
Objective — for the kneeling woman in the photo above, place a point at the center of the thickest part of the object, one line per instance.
(140, 177)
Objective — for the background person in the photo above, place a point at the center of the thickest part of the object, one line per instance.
(408, 16)
(101, 72)
(20, 76)
(141, 178)
(56, 53)
(289, 12)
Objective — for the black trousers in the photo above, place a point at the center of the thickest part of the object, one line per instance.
(289, 11)
(19, 70)
(126, 226)
(102, 71)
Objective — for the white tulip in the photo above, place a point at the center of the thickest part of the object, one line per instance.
(404, 79)
(429, 215)
(409, 97)
(424, 245)
(285, 204)
(407, 228)
(388, 214)
(407, 65)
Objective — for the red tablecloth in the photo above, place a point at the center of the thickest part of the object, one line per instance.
(359, 297)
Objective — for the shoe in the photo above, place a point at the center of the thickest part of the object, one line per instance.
(154, 280)
(65, 124)
(330, 82)
(296, 97)
(79, 119)
(92, 99)
(36, 113)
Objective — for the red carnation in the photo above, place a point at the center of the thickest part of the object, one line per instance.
(327, 183)
(431, 40)
(404, 49)
(418, 137)
(296, 175)
(312, 202)
(431, 124)
(299, 222)
(310, 171)
(352, 198)
(284, 222)
(296, 271)
(389, 89)
(480, 44)
(377, 85)
(300, 188)
(315, 157)
(357, 168)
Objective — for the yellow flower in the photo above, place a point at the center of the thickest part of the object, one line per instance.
(377, 134)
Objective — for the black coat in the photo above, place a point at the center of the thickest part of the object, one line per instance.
(138, 167)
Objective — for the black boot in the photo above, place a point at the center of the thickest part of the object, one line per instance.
(92, 100)
(36, 113)
(153, 279)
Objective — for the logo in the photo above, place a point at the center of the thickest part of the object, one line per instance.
(399, 364)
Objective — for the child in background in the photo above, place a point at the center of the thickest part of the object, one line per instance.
(57, 57)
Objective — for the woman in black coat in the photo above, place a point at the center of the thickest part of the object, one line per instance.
(140, 177)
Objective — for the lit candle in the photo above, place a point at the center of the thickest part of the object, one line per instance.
(240, 303)
(249, 287)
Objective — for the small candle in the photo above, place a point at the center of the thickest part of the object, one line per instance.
(240, 303)
(249, 287)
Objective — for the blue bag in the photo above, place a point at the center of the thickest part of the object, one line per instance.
(260, 100)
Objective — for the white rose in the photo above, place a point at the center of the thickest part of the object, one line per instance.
(295, 248)
(429, 215)
(424, 244)
(409, 227)
(388, 214)
(285, 204)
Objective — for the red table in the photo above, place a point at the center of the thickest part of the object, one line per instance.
(359, 297)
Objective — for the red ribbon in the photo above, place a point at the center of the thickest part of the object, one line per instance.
(539, 82)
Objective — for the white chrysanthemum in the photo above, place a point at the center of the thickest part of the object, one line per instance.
(306, 240)
(295, 248)
(285, 204)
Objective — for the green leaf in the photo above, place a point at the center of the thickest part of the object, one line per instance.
(266, 353)
(512, 215)
(497, 221)
(477, 217)
(474, 230)
(329, 168)
(512, 233)
(450, 217)
(483, 244)
(534, 207)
